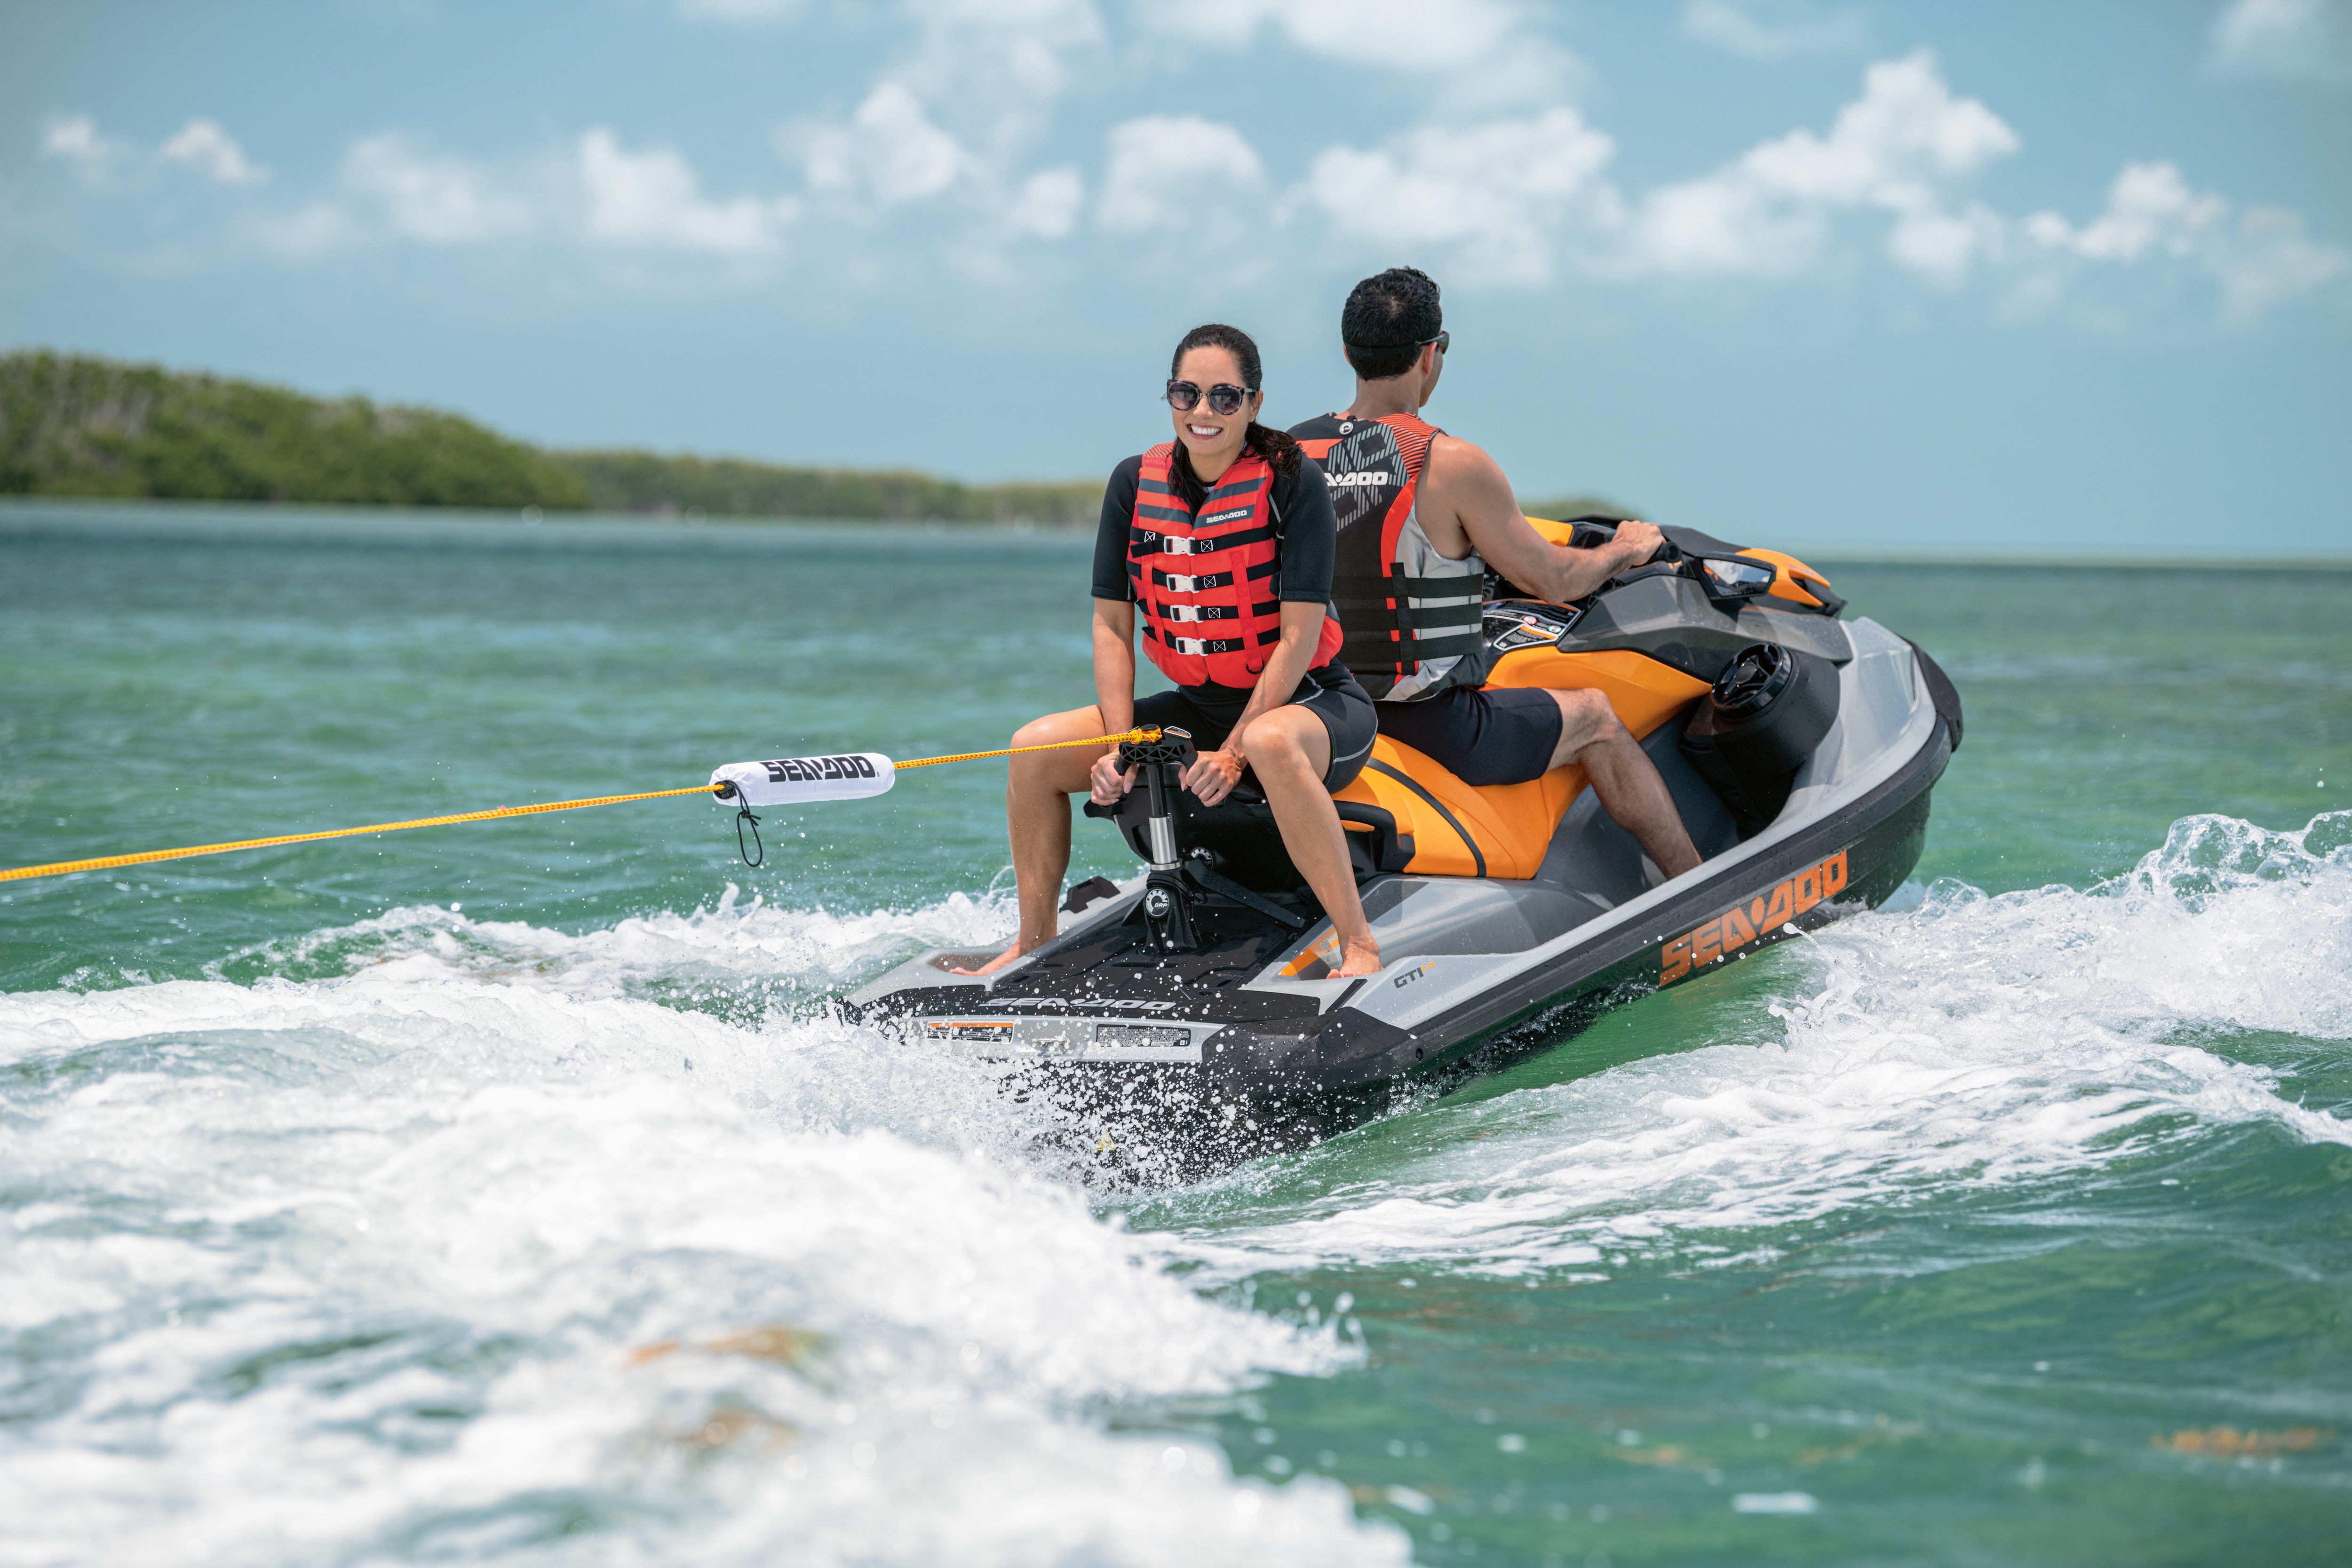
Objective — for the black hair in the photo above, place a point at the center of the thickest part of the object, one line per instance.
(1387, 319)
(1275, 447)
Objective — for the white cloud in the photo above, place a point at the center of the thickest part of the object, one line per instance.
(998, 56)
(76, 139)
(1479, 53)
(1048, 204)
(2152, 213)
(1173, 171)
(204, 146)
(748, 11)
(1405, 35)
(434, 199)
(889, 151)
(2284, 38)
(1495, 193)
(1900, 148)
(655, 199)
(2149, 207)
(1770, 36)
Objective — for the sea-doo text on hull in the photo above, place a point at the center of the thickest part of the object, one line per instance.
(1197, 1001)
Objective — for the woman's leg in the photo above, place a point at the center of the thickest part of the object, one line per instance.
(1037, 791)
(1290, 750)
(1623, 777)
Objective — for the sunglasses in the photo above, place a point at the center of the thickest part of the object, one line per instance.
(1223, 398)
(1443, 339)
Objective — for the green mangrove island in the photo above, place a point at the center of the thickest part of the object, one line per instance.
(77, 425)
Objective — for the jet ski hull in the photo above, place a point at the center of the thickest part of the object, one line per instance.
(1245, 1044)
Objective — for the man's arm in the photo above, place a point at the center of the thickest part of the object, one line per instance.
(1462, 480)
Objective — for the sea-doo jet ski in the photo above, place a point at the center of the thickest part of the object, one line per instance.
(1195, 1006)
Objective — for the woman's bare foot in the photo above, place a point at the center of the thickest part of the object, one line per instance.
(1360, 957)
(999, 962)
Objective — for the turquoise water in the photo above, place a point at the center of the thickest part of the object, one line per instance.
(349, 1193)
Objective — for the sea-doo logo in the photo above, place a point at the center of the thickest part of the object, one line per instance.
(809, 770)
(1739, 926)
(1215, 518)
(1369, 477)
(1123, 1006)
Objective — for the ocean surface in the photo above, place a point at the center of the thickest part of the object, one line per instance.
(509, 1191)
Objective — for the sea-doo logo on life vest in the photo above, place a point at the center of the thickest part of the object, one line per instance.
(1741, 924)
(1234, 515)
(809, 770)
(1370, 476)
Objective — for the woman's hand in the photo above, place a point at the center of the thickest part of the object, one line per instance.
(1106, 784)
(1213, 775)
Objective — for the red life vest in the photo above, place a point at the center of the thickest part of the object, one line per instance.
(1207, 584)
(1413, 616)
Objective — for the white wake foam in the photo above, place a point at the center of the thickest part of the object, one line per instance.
(722, 947)
(368, 1266)
(1972, 1040)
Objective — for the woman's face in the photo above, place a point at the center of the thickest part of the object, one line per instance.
(1214, 439)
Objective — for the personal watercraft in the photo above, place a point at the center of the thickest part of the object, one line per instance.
(1192, 1008)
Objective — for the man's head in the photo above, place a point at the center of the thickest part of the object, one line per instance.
(1390, 322)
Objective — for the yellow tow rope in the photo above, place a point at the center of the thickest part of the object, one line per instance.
(148, 858)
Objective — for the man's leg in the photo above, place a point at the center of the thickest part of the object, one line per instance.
(1289, 749)
(1623, 777)
(1037, 792)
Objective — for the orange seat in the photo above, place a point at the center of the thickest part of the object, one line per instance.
(1503, 830)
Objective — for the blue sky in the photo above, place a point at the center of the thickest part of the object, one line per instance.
(1931, 275)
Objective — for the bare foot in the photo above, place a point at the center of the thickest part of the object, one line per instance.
(999, 962)
(1362, 957)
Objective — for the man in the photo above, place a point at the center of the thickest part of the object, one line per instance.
(1421, 517)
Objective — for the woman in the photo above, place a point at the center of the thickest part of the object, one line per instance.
(1251, 644)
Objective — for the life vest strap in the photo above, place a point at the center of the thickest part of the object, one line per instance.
(1358, 588)
(1182, 613)
(1145, 542)
(1384, 648)
(1177, 584)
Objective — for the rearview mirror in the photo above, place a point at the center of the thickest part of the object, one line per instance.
(1728, 577)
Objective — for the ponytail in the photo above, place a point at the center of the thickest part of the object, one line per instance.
(1280, 452)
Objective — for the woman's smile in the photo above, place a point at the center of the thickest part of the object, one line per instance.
(1213, 438)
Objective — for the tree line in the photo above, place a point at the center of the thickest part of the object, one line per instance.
(74, 425)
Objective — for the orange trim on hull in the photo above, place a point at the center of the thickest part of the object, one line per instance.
(1509, 826)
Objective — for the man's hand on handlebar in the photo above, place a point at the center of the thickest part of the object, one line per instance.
(1640, 541)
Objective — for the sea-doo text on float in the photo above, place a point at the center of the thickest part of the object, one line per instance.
(1195, 1006)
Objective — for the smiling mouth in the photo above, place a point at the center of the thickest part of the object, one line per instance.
(1206, 431)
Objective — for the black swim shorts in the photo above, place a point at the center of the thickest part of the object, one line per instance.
(1332, 693)
(1482, 735)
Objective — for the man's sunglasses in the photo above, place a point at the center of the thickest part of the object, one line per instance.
(1443, 339)
(1223, 398)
